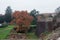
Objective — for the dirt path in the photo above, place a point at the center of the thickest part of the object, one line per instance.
(14, 35)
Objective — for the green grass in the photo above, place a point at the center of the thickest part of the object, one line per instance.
(4, 32)
(32, 25)
(31, 36)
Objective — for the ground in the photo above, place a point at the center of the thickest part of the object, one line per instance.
(5, 31)
(54, 35)
(9, 33)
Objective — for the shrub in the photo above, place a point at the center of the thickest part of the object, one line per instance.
(22, 19)
(3, 25)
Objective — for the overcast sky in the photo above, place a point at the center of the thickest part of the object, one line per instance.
(44, 6)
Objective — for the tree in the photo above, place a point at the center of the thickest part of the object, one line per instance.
(57, 16)
(34, 13)
(57, 10)
(8, 14)
(22, 20)
(1, 18)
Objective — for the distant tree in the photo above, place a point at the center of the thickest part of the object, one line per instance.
(1, 18)
(34, 13)
(57, 16)
(8, 14)
(57, 10)
(22, 19)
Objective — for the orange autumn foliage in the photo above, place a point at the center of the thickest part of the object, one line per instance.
(22, 19)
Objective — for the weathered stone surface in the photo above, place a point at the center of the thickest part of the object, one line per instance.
(54, 35)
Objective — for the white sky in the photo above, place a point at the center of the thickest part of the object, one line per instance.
(44, 6)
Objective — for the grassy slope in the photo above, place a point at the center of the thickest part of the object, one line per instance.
(31, 36)
(5, 31)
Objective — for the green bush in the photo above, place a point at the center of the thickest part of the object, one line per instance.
(4, 25)
(32, 28)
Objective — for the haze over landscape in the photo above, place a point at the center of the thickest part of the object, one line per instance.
(44, 6)
(30, 19)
